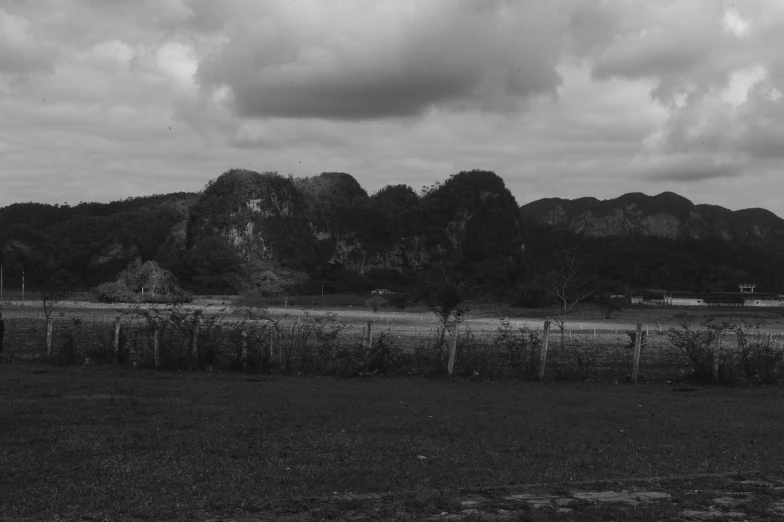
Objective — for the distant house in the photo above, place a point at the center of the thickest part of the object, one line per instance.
(381, 291)
(745, 298)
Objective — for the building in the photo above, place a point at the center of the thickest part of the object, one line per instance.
(743, 299)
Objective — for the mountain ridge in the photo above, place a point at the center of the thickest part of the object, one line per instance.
(251, 231)
(667, 215)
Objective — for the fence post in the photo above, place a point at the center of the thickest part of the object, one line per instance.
(49, 336)
(271, 346)
(543, 351)
(281, 355)
(117, 339)
(637, 348)
(266, 354)
(196, 342)
(244, 351)
(716, 350)
(369, 336)
(452, 352)
(156, 344)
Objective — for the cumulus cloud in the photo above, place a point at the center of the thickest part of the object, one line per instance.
(102, 99)
(357, 60)
(20, 52)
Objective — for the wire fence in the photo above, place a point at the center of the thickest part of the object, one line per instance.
(392, 343)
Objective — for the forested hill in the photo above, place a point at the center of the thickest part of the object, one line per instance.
(663, 241)
(666, 215)
(262, 232)
(93, 240)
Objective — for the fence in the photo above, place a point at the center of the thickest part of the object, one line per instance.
(324, 343)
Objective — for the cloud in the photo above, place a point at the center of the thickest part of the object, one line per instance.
(357, 60)
(686, 168)
(102, 99)
(20, 52)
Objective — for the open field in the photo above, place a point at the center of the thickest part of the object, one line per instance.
(105, 441)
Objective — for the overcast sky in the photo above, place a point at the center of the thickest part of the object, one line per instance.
(105, 99)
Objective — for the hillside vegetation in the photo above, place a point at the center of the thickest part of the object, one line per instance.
(272, 235)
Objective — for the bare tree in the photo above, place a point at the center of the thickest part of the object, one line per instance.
(54, 285)
(564, 286)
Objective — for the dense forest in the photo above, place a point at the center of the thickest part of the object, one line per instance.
(273, 235)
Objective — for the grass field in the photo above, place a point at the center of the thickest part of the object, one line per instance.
(153, 445)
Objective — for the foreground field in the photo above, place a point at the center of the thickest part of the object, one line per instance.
(158, 445)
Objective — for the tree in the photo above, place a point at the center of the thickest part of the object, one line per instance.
(53, 283)
(46, 274)
(447, 294)
(609, 305)
(564, 286)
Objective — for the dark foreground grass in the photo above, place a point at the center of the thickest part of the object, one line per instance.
(169, 445)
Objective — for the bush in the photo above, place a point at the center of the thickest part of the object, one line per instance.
(472, 358)
(387, 356)
(758, 360)
(518, 349)
(695, 345)
(114, 292)
(376, 302)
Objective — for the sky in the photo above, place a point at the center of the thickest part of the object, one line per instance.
(106, 99)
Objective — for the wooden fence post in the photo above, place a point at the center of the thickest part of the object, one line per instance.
(543, 351)
(637, 348)
(156, 344)
(49, 336)
(716, 351)
(244, 351)
(117, 339)
(266, 354)
(450, 368)
(281, 356)
(196, 342)
(369, 336)
(271, 346)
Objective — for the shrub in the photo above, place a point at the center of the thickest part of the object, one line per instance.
(695, 345)
(387, 356)
(518, 349)
(376, 302)
(114, 292)
(472, 358)
(759, 360)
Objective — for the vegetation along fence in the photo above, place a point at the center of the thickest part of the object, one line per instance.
(176, 338)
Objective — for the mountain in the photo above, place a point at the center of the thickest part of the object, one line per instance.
(666, 215)
(267, 233)
(263, 231)
(663, 241)
(93, 240)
